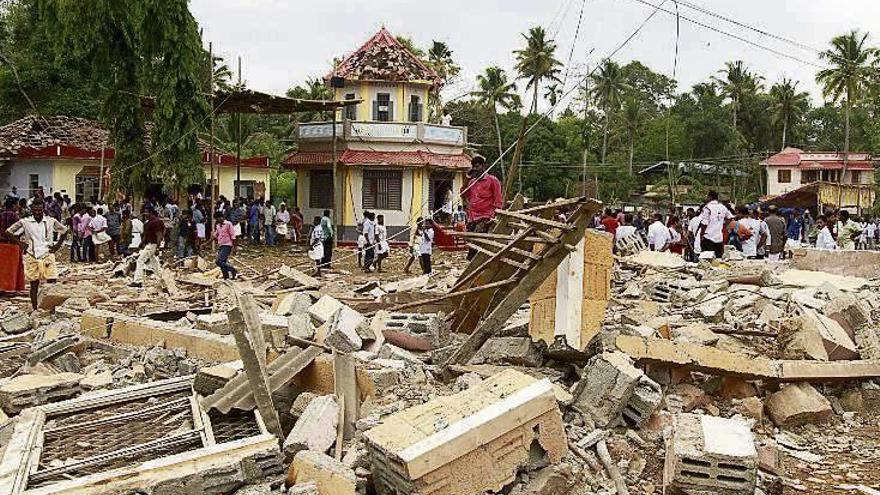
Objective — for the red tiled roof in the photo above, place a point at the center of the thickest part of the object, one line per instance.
(819, 160)
(379, 158)
(383, 58)
(76, 138)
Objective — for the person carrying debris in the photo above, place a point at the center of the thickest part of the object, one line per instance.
(483, 196)
(35, 234)
(154, 232)
(713, 217)
(224, 234)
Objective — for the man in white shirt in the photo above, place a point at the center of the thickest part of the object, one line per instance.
(693, 229)
(35, 235)
(370, 236)
(625, 229)
(713, 217)
(825, 240)
(752, 225)
(658, 234)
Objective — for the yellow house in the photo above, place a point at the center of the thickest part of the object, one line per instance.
(69, 155)
(389, 159)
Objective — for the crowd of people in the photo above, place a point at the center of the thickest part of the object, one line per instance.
(757, 232)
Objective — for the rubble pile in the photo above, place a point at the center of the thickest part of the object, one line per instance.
(727, 377)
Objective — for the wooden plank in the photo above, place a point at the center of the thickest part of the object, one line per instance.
(503, 259)
(553, 204)
(520, 293)
(499, 237)
(244, 321)
(515, 250)
(532, 220)
(501, 228)
(345, 387)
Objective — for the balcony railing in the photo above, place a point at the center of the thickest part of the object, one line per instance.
(404, 132)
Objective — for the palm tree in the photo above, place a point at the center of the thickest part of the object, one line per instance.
(850, 69)
(788, 104)
(738, 82)
(537, 62)
(496, 91)
(552, 95)
(609, 85)
(632, 117)
(440, 59)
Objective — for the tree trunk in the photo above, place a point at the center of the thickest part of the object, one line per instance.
(500, 146)
(605, 134)
(845, 154)
(784, 130)
(535, 98)
(735, 105)
(631, 151)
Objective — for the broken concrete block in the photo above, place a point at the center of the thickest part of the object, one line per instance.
(868, 341)
(48, 349)
(323, 310)
(316, 427)
(96, 323)
(849, 312)
(300, 404)
(798, 404)
(389, 351)
(215, 322)
(707, 454)
(291, 304)
(299, 326)
(275, 328)
(607, 385)
(800, 342)
(97, 381)
(309, 488)
(518, 351)
(712, 311)
(67, 362)
(26, 391)
(470, 442)
(428, 327)
(695, 333)
(330, 475)
(212, 378)
(18, 322)
(344, 332)
(644, 401)
(837, 342)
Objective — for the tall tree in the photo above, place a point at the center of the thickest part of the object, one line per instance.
(537, 62)
(142, 46)
(496, 91)
(440, 59)
(632, 118)
(609, 85)
(788, 105)
(850, 69)
(738, 82)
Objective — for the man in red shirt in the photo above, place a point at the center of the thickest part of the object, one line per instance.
(482, 195)
(609, 222)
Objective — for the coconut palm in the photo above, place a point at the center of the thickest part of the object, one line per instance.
(440, 59)
(632, 117)
(552, 94)
(850, 69)
(537, 62)
(496, 91)
(609, 84)
(788, 104)
(738, 82)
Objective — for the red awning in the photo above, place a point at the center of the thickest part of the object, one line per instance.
(836, 165)
(380, 158)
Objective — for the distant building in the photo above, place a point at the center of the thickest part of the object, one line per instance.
(390, 159)
(793, 168)
(66, 155)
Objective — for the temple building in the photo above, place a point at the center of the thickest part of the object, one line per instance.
(389, 158)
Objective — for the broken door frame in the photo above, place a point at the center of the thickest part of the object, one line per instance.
(21, 458)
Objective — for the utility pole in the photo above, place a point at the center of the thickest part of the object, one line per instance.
(238, 139)
(586, 132)
(211, 100)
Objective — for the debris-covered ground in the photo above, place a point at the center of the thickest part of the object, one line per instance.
(645, 374)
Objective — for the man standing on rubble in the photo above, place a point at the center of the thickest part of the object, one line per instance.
(483, 196)
(776, 225)
(713, 217)
(35, 235)
(154, 232)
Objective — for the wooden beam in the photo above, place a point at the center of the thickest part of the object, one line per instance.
(490, 235)
(503, 259)
(492, 257)
(345, 387)
(553, 205)
(531, 219)
(515, 250)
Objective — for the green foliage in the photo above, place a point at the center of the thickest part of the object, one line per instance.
(537, 62)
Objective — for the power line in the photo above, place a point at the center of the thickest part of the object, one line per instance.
(734, 36)
(743, 25)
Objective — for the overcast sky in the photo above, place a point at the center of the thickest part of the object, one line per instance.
(281, 43)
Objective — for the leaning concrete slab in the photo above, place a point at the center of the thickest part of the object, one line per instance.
(608, 384)
(798, 404)
(707, 454)
(316, 427)
(26, 391)
(468, 443)
(331, 476)
(850, 263)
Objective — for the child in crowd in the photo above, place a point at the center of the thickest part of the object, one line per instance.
(362, 243)
(316, 244)
(382, 247)
(426, 245)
